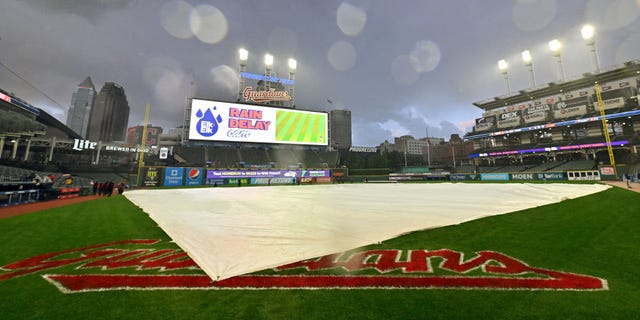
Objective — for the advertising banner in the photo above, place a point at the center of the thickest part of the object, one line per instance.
(152, 176)
(551, 176)
(537, 113)
(607, 173)
(571, 108)
(272, 181)
(485, 123)
(228, 174)
(194, 176)
(538, 176)
(494, 176)
(462, 177)
(223, 121)
(510, 119)
(522, 176)
(173, 176)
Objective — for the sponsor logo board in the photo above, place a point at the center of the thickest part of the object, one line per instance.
(152, 176)
(225, 174)
(173, 176)
(494, 176)
(194, 176)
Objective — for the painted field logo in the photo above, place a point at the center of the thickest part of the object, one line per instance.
(135, 265)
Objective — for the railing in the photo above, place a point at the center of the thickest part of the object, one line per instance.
(8, 198)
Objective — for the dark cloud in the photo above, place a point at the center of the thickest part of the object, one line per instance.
(92, 10)
(413, 64)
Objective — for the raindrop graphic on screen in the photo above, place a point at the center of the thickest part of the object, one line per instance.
(207, 126)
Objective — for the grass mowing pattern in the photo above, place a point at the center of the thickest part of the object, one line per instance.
(595, 235)
(300, 127)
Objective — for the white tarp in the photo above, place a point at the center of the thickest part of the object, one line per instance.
(234, 231)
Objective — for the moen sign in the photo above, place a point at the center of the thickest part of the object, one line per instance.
(263, 96)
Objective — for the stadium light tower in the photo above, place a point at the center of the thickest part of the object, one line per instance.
(243, 54)
(504, 69)
(528, 62)
(268, 64)
(556, 47)
(588, 34)
(293, 65)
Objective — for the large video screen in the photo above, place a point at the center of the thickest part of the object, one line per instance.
(224, 121)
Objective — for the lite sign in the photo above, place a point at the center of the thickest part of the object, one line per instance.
(81, 144)
(223, 121)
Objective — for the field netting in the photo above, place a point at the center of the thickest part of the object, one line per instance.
(234, 231)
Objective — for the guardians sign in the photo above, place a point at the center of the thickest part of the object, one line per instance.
(149, 264)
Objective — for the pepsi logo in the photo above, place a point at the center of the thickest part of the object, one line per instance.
(194, 173)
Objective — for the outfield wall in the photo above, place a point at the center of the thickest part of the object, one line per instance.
(195, 176)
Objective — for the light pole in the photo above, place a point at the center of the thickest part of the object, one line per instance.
(528, 62)
(555, 46)
(243, 54)
(268, 63)
(428, 148)
(588, 33)
(504, 69)
(293, 65)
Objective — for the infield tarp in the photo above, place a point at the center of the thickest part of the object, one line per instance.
(234, 231)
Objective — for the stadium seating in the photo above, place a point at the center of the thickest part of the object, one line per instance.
(223, 157)
(254, 156)
(576, 165)
(546, 166)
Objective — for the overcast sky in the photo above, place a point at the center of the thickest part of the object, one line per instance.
(401, 67)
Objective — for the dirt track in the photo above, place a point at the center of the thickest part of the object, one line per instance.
(634, 185)
(16, 210)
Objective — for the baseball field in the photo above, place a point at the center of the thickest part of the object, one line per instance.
(107, 259)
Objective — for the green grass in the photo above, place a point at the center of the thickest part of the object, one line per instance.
(596, 235)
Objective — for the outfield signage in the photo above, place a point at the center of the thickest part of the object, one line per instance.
(147, 264)
(173, 176)
(551, 176)
(223, 121)
(152, 176)
(494, 176)
(228, 174)
(193, 176)
(462, 177)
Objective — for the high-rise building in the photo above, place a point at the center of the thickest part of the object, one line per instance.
(81, 103)
(134, 135)
(340, 129)
(109, 115)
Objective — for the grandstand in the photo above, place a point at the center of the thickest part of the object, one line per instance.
(558, 126)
